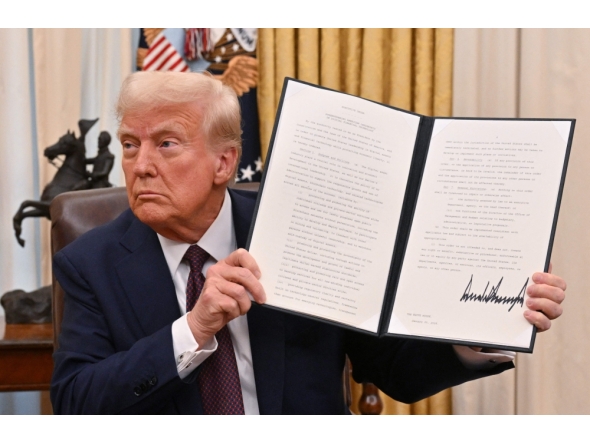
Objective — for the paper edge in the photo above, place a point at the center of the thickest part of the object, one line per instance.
(439, 125)
(294, 88)
(398, 325)
(563, 128)
(371, 324)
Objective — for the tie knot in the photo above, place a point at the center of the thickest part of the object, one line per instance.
(196, 258)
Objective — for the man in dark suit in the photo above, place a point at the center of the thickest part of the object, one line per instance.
(133, 339)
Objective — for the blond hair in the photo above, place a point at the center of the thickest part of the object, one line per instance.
(221, 122)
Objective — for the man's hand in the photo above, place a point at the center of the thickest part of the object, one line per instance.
(224, 296)
(545, 298)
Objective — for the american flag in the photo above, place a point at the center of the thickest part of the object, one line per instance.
(162, 56)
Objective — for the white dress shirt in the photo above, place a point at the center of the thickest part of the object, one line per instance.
(220, 241)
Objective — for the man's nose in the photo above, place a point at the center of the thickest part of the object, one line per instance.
(145, 164)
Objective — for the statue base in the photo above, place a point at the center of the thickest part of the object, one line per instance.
(21, 307)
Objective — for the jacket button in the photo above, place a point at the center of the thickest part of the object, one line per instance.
(137, 391)
(153, 381)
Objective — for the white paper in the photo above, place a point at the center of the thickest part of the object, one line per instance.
(481, 228)
(331, 204)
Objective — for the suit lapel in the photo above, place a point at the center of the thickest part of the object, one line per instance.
(242, 213)
(266, 327)
(153, 299)
(152, 296)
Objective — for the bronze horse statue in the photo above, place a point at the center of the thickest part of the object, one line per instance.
(70, 176)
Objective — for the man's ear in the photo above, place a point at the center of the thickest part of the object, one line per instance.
(226, 162)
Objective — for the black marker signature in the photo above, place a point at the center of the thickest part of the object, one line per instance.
(492, 296)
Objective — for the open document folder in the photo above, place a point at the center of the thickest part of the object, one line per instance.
(393, 223)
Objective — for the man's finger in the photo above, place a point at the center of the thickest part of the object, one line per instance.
(549, 279)
(538, 319)
(236, 292)
(207, 318)
(553, 293)
(241, 268)
(230, 307)
(550, 309)
(241, 258)
(240, 276)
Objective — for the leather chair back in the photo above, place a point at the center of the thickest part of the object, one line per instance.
(76, 212)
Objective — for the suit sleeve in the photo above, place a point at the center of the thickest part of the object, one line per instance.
(409, 370)
(92, 375)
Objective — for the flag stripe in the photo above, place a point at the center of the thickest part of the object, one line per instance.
(157, 54)
(162, 56)
(152, 49)
(171, 62)
(170, 56)
(175, 64)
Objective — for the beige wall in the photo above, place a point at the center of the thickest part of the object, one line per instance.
(538, 73)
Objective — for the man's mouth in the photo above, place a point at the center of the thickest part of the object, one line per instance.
(147, 194)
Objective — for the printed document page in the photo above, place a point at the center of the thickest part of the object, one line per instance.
(332, 198)
(481, 228)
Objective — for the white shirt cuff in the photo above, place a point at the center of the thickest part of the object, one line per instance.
(474, 360)
(188, 358)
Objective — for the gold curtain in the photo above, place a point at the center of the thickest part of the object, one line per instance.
(406, 68)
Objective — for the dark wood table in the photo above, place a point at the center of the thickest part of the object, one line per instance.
(25, 357)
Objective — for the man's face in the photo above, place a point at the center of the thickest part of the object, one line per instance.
(175, 183)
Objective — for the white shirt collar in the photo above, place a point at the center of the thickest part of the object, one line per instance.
(219, 240)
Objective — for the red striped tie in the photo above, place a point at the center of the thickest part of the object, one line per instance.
(219, 381)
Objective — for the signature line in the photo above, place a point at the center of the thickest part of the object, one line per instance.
(492, 296)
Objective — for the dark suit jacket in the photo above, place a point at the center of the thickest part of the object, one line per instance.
(116, 353)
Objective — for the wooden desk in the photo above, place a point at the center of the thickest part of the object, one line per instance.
(25, 357)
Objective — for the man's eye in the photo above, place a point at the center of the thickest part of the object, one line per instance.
(167, 144)
(127, 145)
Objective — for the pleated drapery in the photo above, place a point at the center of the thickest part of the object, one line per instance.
(78, 73)
(538, 73)
(405, 68)
(49, 79)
